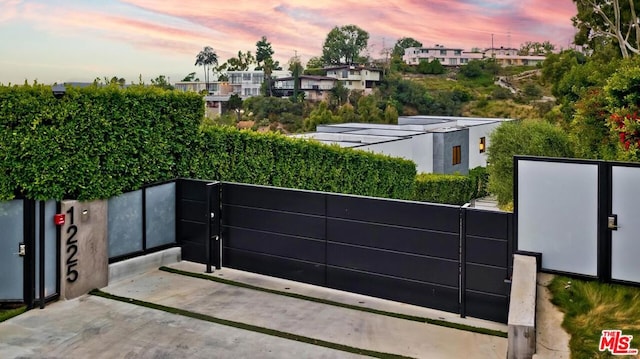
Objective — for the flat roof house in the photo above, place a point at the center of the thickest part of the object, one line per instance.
(315, 88)
(455, 57)
(437, 144)
(446, 56)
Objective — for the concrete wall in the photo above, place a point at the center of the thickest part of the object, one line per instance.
(522, 309)
(84, 248)
(475, 133)
(443, 143)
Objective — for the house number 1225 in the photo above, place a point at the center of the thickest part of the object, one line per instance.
(72, 248)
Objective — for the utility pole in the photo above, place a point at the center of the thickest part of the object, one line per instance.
(493, 55)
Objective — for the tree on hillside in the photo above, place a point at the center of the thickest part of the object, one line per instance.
(315, 63)
(162, 82)
(536, 48)
(190, 77)
(242, 62)
(431, 68)
(320, 115)
(535, 138)
(344, 44)
(265, 62)
(405, 43)
(368, 110)
(296, 68)
(612, 21)
(338, 95)
(206, 58)
(264, 51)
(235, 104)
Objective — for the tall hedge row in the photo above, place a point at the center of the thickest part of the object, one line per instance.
(441, 188)
(98, 142)
(273, 159)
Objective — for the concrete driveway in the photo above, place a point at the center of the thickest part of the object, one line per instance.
(98, 327)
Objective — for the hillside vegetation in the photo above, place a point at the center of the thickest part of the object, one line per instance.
(470, 90)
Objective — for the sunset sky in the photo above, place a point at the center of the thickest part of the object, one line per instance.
(79, 40)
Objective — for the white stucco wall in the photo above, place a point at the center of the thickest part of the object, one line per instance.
(418, 149)
(422, 146)
(399, 148)
(475, 133)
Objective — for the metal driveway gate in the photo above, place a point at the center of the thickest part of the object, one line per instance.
(405, 251)
(29, 252)
(198, 221)
(581, 215)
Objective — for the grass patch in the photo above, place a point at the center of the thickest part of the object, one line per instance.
(10, 313)
(414, 318)
(591, 307)
(249, 327)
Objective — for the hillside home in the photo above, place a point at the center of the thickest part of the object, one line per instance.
(315, 88)
(456, 57)
(446, 56)
(356, 77)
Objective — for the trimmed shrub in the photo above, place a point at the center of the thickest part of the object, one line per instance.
(227, 154)
(480, 178)
(530, 138)
(95, 143)
(441, 188)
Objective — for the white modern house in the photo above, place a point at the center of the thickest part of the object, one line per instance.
(315, 88)
(446, 56)
(248, 83)
(455, 57)
(437, 144)
(243, 83)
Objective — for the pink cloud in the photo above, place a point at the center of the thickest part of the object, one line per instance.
(301, 26)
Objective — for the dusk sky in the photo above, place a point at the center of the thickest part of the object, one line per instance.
(79, 40)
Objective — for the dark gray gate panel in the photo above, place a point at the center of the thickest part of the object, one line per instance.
(12, 220)
(274, 231)
(487, 253)
(393, 288)
(193, 219)
(397, 250)
(51, 254)
(433, 217)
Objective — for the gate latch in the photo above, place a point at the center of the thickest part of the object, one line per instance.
(612, 222)
(22, 249)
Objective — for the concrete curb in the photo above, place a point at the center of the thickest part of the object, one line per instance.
(138, 265)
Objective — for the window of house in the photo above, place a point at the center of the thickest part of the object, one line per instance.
(443, 52)
(453, 61)
(246, 77)
(457, 155)
(483, 145)
(457, 52)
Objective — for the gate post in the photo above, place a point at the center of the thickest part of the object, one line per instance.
(212, 243)
(462, 287)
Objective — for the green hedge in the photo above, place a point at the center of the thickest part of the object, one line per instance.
(273, 159)
(440, 188)
(98, 142)
(93, 142)
(480, 178)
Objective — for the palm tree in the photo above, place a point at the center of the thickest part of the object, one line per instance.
(206, 58)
